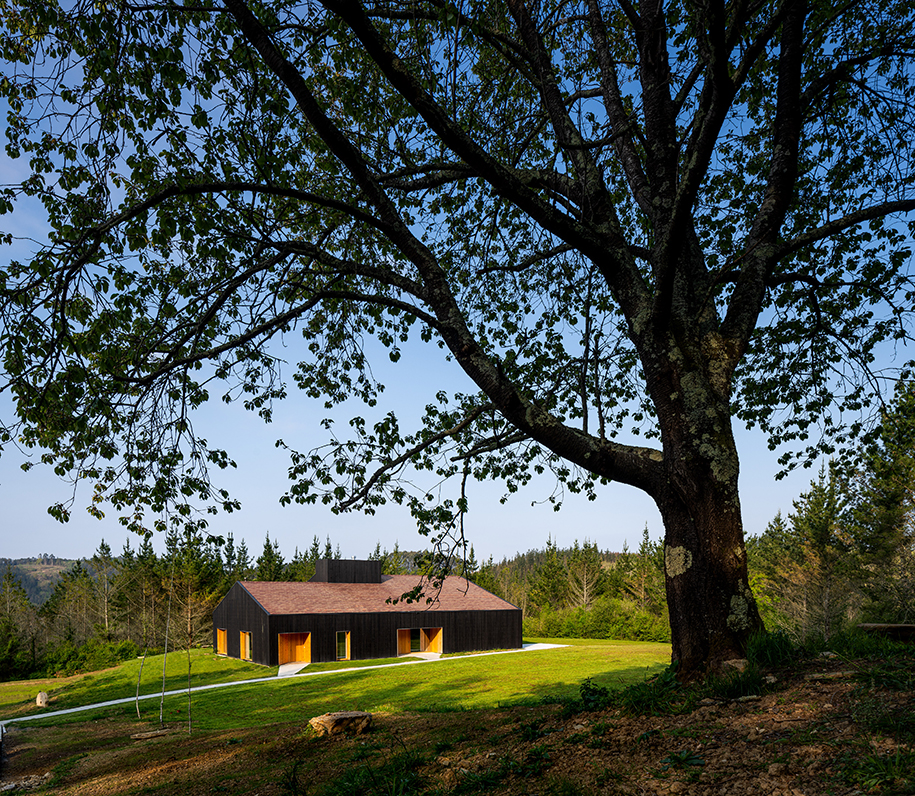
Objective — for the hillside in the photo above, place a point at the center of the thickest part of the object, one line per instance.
(38, 576)
(831, 725)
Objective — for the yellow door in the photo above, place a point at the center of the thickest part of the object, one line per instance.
(294, 648)
(220, 641)
(432, 639)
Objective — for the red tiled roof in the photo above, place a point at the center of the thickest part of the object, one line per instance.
(456, 594)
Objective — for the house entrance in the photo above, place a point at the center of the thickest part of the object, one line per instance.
(419, 639)
(294, 648)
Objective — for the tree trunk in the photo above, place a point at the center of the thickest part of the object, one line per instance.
(712, 609)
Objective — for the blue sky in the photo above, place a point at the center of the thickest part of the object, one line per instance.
(524, 522)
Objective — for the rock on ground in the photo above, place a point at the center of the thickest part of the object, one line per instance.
(344, 722)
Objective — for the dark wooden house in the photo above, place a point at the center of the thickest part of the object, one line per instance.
(343, 613)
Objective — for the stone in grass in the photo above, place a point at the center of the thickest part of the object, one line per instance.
(343, 722)
(28, 783)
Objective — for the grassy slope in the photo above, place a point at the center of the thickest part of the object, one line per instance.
(18, 698)
(447, 685)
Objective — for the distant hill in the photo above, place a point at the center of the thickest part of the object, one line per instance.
(37, 575)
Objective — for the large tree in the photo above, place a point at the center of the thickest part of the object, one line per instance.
(617, 218)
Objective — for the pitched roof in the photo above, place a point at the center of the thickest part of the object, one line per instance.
(456, 594)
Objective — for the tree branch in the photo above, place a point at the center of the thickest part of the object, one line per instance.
(531, 260)
(841, 224)
(746, 301)
(567, 134)
(405, 457)
(621, 123)
(505, 180)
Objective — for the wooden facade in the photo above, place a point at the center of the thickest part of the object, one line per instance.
(344, 570)
(286, 622)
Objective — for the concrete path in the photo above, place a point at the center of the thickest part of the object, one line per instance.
(284, 671)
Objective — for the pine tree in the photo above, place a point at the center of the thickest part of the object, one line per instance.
(804, 564)
(549, 586)
(314, 552)
(196, 587)
(299, 568)
(586, 574)
(269, 565)
(468, 567)
(485, 578)
(236, 562)
(229, 561)
(766, 557)
(243, 561)
(882, 518)
(817, 524)
(124, 603)
(643, 574)
(151, 581)
(69, 612)
(105, 572)
(394, 563)
(18, 630)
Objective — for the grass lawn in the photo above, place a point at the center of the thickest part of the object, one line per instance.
(452, 684)
(18, 698)
(333, 666)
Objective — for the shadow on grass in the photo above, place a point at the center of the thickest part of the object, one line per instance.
(455, 684)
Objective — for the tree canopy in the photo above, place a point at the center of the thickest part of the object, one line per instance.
(627, 222)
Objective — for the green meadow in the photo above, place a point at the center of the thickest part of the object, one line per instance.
(450, 684)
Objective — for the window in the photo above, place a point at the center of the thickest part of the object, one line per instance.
(342, 645)
(245, 645)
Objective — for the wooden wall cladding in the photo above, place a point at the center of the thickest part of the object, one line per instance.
(372, 635)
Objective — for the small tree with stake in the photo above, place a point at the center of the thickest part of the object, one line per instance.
(626, 222)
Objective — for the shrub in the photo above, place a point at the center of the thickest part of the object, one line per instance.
(772, 649)
(608, 618)
(858, 644)
(67, 658)
(736, 684)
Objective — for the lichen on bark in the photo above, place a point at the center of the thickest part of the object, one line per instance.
(677, 560)
(739, 616)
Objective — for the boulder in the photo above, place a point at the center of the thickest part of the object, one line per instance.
(343, 722)
(42, 699)
(735, 665)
